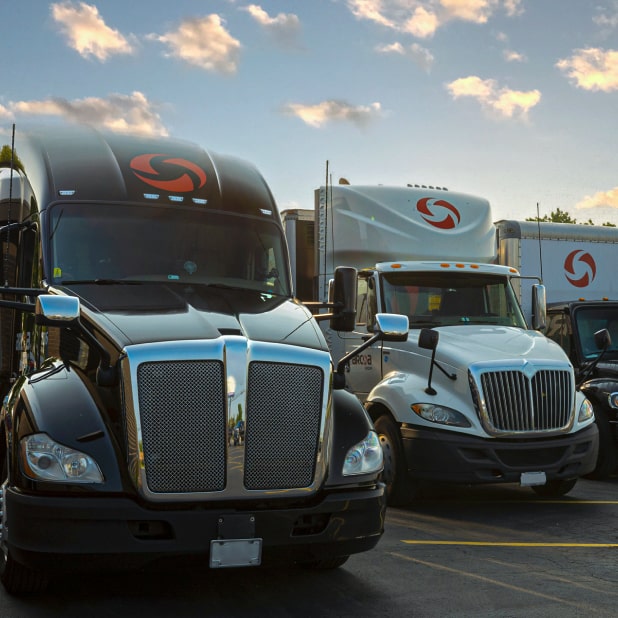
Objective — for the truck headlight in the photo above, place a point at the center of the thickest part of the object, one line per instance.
(364, 457)
(612, 400)
(440, 414)
(585, 411)
(44, 459)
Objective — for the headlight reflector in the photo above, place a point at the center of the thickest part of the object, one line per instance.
(440, 414)
(585, 411)
(364, 457)
(44, 459)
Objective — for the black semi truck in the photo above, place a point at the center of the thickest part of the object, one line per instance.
(147, 315)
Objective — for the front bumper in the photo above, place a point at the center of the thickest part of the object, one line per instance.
(459, 458)
(62, 533)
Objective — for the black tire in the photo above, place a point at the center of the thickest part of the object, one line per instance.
(554, 489)
(16, 578)
(326, 564)
(607, 461)
(400, 489)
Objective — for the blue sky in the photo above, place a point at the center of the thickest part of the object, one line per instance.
(514, 100)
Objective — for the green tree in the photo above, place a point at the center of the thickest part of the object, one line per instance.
(5, 158)
(561, 216)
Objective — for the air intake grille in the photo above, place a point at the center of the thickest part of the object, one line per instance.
(182, 414)
(284, 405)
(516, 403)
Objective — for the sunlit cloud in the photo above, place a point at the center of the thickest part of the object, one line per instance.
(203, 42)
(5, 114)
(419, 55)
(333, 111)
(422, 18)
(592, 69)
(118, 112)
(503, 102)
(602, 198)
(284, 28)
(513, 56)
(86, 31)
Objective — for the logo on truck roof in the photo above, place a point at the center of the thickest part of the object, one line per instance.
(438, 213)
(580, 268)
(168, 173)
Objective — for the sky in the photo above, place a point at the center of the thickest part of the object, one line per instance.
(512, 100)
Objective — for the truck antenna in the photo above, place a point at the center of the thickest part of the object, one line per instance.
(538, 225)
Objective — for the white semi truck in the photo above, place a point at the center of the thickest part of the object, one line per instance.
(578, 266)
(474, 395)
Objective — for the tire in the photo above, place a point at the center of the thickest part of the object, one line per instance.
(400, 488)
(326, 564)
(607, 461)
(554, 489)
(16, 578)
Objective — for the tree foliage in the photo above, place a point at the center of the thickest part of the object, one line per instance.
(5, 158)
(561, 216)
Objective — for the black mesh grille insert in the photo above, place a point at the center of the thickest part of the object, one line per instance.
(182, 412)
(284, 404)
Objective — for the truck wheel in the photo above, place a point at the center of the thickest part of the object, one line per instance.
(15, 577)
(607, 461)
(400, 489)
(554, 489)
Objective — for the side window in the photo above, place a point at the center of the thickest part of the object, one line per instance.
(558, 330)
(361, 301)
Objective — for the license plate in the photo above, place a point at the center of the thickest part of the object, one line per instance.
(235, 553)
(532, 478)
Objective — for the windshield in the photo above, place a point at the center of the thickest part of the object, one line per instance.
(439, 299)
(590, 320)
(96, 242)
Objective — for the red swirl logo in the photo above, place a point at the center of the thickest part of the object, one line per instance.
(168, 173)
(580, 268)
(439, 213)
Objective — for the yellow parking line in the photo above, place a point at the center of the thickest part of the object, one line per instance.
(504, 544)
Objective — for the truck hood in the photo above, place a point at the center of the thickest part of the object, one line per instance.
(461, 345)
(131, 313)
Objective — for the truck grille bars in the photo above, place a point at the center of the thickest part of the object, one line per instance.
(523, 400)
(183, 428)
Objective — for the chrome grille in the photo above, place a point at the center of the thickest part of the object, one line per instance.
(182, 415)
(513, 401)
(283, 425)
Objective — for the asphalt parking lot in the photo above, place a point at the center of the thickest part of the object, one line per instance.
(460, 552)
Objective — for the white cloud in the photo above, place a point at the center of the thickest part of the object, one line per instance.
(339, 111)
(592, 69)
(422, 18)
(5, 113)
(419, 55)
(86, 31)
(284, 28)
(205, 43)
(600, 199)
(503, 102)
(121, 113)
(607, 18)
(513, 56)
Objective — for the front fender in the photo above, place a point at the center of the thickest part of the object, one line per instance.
(64, 404)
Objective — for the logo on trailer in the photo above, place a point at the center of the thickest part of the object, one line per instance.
(168, 173)
(580, 268)
(439, 213)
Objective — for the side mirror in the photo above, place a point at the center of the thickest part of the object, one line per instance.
(602, 339)
(428, 339)
(50, 310)
(391, 327)
(344, 297)
(539, 307)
